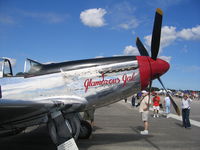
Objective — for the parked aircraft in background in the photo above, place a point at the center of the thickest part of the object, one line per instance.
(55, 93)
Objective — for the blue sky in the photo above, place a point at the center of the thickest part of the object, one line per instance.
(54, 31)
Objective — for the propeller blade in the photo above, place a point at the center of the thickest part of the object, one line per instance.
(150, 84)
(155, 40)
(141, 48)
(172, 101)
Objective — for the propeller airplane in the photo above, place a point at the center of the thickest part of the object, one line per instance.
(55, 94)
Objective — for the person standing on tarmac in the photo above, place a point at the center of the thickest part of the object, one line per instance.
(156, 105)
(186, 101)
(167, 104)
(133, 100)
(144, 110)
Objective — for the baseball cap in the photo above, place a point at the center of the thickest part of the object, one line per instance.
(144, 92)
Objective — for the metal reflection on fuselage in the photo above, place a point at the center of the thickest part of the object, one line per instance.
(100, 85)
(82, 82)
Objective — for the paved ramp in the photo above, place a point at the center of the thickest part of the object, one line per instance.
(117, 128)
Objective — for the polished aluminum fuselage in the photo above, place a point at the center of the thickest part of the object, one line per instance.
(94, 85)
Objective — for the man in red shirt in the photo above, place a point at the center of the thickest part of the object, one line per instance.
(156, 105)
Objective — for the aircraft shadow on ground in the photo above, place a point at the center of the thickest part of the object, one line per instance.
(146, 138)
(35, 140)
(112, 138)
(39, 139)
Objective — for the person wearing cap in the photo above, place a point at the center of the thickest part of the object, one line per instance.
(186, 101)
(144, 110)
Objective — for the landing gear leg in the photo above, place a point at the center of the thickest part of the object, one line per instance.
(59, 128)
(64, 129)
(75, 124)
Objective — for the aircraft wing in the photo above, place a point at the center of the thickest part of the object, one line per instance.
(36, 111)
(65, 103)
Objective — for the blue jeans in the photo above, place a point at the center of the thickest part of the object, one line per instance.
(185, 117)
(167, 109)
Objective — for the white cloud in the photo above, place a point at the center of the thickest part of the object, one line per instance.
(130, 50)
(170, 34)
(166, 58)
(190, 34)
(93, 17)
(129, 24)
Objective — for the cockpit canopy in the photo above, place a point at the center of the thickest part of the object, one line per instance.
(5, 68)
(31, 66)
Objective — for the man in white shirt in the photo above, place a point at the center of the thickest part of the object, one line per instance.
(186, 101)
(144, 109)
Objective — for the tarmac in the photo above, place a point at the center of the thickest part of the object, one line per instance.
(117, 127)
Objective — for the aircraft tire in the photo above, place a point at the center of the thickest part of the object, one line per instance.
(85, 130)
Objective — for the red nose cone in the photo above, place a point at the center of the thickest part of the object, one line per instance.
(150, 69)
(159, 67)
